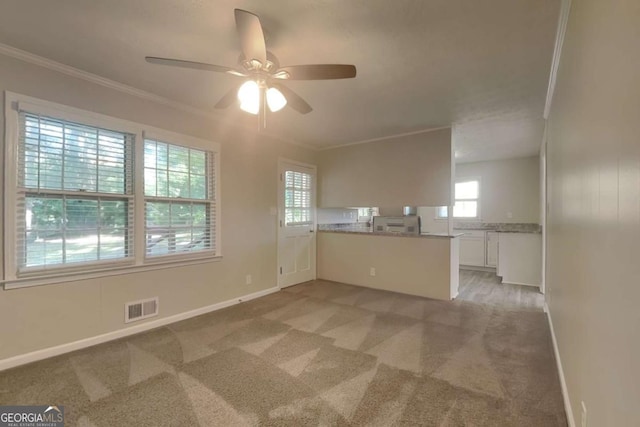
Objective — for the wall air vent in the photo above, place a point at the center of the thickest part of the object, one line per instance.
(138, 310)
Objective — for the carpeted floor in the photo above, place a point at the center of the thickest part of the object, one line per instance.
(319, 353)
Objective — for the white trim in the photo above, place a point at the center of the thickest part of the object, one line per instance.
(282, 162)
(213, 175)
(66, 276)
(382, 138)
(71, 114)
(169, 137)
(11, 133)
(50, 64)
(477, 268)
(519, 284)
(59, 67)
(297, 163)
(563, 384)
(34, 356)
(543, 213)
(563, 19)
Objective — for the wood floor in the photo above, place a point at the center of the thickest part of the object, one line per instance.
(485, 288)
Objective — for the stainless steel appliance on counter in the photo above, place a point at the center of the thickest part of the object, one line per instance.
(409, 210)
(397, 224)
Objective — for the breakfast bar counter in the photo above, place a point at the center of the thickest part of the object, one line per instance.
(425, 265)
(369, 231)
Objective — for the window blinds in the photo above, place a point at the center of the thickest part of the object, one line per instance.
(75, 190)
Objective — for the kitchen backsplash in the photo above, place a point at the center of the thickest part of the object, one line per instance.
(358, 226)
(498, 226)
(337, 216)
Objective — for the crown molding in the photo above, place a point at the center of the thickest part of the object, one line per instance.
(382, 138)
(59, 67)
(565, 8)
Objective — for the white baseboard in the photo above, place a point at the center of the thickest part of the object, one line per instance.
(477, 268)
(519, 283)
(563, 384)
(34, 356)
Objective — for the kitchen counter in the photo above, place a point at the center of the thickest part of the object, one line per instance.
(351, 229)
(500, 227)
(421, 265)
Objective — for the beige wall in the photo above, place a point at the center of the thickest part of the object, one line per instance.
(511, 185)
(410, 265)
(412, 170)
(593, 251)
(40, 317)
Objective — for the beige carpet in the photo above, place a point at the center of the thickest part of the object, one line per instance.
(319, 353)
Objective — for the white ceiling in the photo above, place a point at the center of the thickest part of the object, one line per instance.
(481, 66)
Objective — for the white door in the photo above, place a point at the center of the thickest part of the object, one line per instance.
(296, 223)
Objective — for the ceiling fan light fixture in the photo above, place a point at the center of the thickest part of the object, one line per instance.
(249, 97)
(261, 67)
(275, 99)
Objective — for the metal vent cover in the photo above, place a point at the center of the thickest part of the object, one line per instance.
(138, 310)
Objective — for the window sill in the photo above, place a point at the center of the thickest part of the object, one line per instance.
(74, 276)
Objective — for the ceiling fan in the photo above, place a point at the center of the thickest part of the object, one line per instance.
(261, 71)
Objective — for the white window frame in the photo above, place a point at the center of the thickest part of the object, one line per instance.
(311, 221)
(188, 142)
(478, 217)
(14, 103)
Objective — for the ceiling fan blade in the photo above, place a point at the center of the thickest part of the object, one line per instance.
(318, 72)
(251, 36)
(193, 65)
(294, 100)
(228, 98)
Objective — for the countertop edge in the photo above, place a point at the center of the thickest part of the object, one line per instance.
(371, 233)
(503, 231)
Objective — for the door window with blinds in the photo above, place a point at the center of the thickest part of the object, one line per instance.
(88, 193)
(297, 199)
(74, 193)
(179, 206)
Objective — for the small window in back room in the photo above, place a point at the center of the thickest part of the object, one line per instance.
(467, 200)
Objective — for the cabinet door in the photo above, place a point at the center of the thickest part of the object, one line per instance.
(472, 251)
(492, 249)
(520, 258)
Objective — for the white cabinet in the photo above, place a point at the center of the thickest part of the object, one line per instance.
(517, 257)
(492, 249)
(472, 248)
(520, 258)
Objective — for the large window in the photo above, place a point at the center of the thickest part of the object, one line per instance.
(467, 199)
(74, 193)
(178, 206)
(87, 193)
